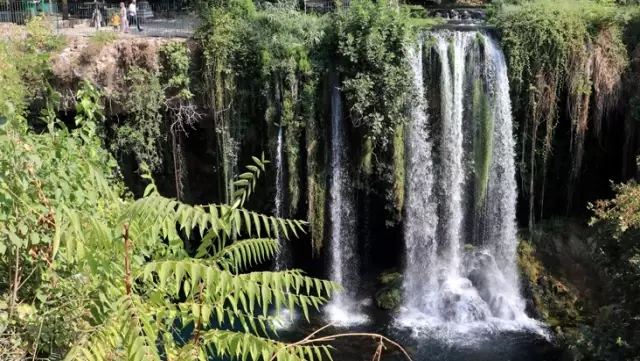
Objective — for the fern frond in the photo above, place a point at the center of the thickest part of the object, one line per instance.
(252, 223)
(243, 346)
(286, 288)
(211, 314)
(79, 232)
(154, 214)
(246, 182)
(246, 253)
(98, 344)
(140, 334)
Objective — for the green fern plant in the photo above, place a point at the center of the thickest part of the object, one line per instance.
(151, 288)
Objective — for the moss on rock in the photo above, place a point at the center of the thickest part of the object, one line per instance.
(550, 297)
(389, 294)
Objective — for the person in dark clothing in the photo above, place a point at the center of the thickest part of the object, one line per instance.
(132, 13)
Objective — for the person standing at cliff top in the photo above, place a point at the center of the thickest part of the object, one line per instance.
(124, 23)
(133, 14)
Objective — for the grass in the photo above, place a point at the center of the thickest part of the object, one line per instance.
(103, 37)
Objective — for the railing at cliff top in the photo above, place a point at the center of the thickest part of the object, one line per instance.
(171, 19)
(86, 19)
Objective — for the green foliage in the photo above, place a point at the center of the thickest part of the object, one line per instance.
(175, 62)
(180, 104)
(398, 168)
(103, 37)
(276, 59)
(608, 335)
(371, 41)
(143, 132)
(316, 177)
(42, 300)
(622, 212)
(620, 250)
(556, 49)
(139, 303)
(112, 278)
(220, 39)
(555, 300)
(389, 294)
(12, 89)
(24, 65)
(285, 41)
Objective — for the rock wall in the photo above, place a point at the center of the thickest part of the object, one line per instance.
(561, 280)
(104, 64)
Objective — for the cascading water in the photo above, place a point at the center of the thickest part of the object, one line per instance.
(452, 51)
(447, 285)
(283, 258)
(344, 262)
(421, 218)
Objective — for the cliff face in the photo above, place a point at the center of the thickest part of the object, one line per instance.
(104, 63)
(563, 284)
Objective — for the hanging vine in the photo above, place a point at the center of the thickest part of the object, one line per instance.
(553, 49)
(142, 132)
(182, 110)
(284, 41)
(219, 38)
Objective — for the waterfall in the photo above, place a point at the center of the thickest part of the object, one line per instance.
(421, 218)
(344, 262)
(502, 193)
(453, 278)
(452, 50)
(285, 318)
(283, 258)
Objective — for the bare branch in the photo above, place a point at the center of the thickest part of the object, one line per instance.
(311, 340)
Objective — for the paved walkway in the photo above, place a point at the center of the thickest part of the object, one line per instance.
(183, 27)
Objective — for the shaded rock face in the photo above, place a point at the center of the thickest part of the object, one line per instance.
(558, 277)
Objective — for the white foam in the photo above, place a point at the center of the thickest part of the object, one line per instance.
(345, 317)
(465, 333)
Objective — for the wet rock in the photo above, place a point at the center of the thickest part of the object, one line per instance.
(459, 302)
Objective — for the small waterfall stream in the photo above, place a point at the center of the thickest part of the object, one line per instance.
(456, 279)
(343, 262)
(283, 258)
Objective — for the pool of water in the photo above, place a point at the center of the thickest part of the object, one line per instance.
(491, 343)
(488, 344)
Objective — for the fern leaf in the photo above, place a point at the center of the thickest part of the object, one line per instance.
(242, 346)
(248, 252)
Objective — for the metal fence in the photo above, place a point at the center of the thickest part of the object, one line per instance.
(87, 18)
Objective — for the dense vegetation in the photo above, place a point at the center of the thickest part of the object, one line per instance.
(572, 70)
(88, 269)
(90, 273)
(271, 68)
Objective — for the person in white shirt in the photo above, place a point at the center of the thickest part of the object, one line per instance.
(132, 13)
